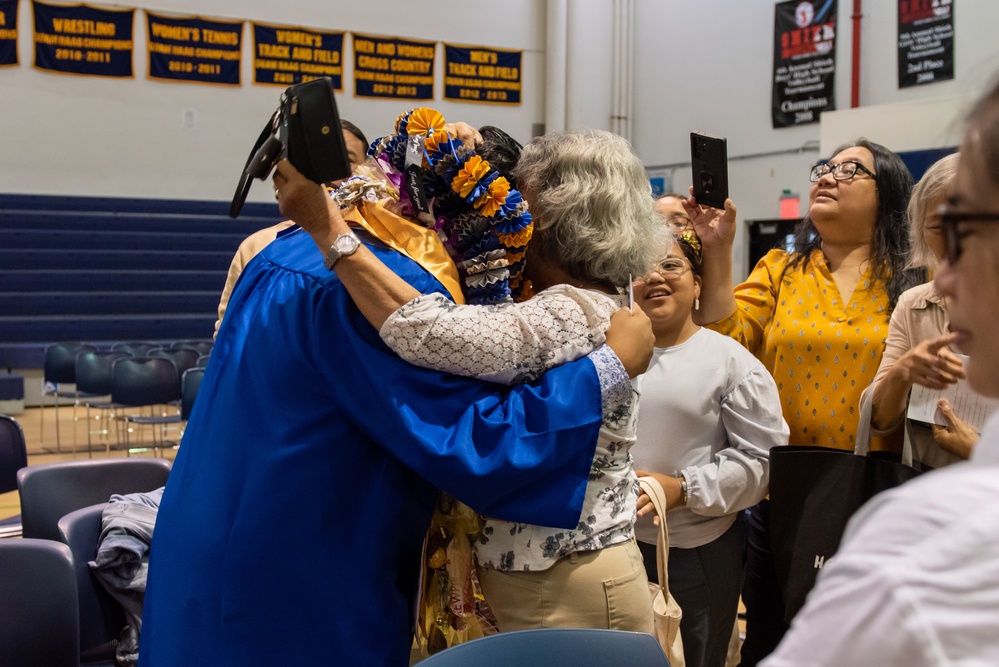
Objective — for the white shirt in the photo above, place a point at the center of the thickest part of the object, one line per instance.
(710, 410)
(916, 581)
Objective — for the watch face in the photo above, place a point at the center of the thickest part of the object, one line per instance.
(346, 244)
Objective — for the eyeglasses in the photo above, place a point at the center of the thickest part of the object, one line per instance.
(949, 220)
(680, 223)
(843, 171)
(671, 268)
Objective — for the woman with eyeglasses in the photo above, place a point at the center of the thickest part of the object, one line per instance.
(919, 349)
(709, 414)
(817, 318)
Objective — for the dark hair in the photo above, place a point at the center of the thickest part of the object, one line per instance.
(890, 245)
(984, 118)
(347, 126)
(692, 254)
(500, 150)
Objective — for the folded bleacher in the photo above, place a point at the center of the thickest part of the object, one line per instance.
(106, 269)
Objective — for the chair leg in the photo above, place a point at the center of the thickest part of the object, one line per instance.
(90, 451)
(55, 405)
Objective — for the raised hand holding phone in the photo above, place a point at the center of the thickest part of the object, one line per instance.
(709, 168)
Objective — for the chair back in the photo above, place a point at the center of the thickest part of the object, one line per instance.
(13, 452)
(138, 381)
(39, 615)
(203, 346)
(60, 361)
(580, 647)
(52, 490)
(101, 616)
(93, 371)
(182, 357)
(189, 386)
(203, 361)
(135, 348)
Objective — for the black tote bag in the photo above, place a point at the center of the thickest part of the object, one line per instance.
(813, 493)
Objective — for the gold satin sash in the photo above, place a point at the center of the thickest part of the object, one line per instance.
(420, 244)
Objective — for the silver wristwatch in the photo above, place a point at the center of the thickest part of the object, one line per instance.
(344, 245)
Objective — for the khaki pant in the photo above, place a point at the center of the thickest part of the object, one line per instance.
(593, 589)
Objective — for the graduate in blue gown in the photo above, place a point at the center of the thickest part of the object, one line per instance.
(291, 526)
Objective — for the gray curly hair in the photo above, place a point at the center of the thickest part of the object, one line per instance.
(594, 215)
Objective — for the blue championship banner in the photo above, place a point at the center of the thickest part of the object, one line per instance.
(393, 68)
(477, 74)
(804, 61)
(81, 39)
(8, 32)
(925, 41)
(194, 50)
(287, 56)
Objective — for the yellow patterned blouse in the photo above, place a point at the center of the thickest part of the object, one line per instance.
(821, 351)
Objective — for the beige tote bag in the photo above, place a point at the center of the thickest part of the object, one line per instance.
(664, 607)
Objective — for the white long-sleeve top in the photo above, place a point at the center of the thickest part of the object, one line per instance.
(709, 410)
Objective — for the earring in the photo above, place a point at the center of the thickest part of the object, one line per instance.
(697, 304)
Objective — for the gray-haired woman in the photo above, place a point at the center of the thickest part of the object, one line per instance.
(595, 227)
(918, 349)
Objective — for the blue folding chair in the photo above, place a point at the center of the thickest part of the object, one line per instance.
(38, 604)
(579, 647)
(13, 457)
(52, 490)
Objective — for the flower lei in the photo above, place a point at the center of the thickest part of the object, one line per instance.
(483, 221)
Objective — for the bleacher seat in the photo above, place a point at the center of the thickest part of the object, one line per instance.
(104, 269)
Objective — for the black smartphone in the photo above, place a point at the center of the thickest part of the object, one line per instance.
(709, 167)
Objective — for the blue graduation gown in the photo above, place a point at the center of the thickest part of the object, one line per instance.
(291, 526)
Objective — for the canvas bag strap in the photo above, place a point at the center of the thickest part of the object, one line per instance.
(654, 490)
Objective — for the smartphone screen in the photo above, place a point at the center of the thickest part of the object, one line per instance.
(709, 168)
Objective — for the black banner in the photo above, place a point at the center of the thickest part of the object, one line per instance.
(81, 39)
(393, 68)
(194, 50)
(925, 41)
(477, 74)
(8, 32)
(285, 56)
(804, 61)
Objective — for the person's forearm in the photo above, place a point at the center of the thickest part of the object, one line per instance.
(717, 300)
(375, 289)
(889, 399)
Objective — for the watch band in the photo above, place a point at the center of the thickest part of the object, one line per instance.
(344, 245)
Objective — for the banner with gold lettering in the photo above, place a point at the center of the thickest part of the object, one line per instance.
(285, 56)
(8, 32)
(925, 41)
(393, 67)
(81, 39)
(194, 50)
(478, 74)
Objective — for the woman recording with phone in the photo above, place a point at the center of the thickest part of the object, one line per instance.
(817, 318)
